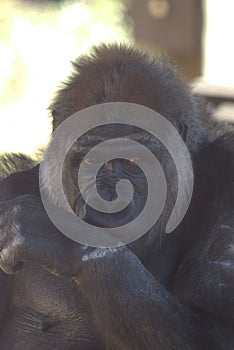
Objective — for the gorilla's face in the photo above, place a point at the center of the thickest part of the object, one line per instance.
(109, 175)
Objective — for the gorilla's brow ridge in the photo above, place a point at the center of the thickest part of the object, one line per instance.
(89, 141)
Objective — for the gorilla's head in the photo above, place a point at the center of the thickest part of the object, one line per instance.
(120, 74)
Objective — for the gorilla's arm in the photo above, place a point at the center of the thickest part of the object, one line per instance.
(132, 309)
(211, 257)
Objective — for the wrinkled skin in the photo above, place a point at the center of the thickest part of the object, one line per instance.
(163, 292)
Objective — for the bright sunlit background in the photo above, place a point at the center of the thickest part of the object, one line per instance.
(37, 43)
(218, 53)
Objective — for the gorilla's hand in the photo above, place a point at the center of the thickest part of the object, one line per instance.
(26, 234)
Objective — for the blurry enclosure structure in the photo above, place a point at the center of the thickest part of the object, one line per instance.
(171, 26)
(198, 35)
(38, 40)
(217, 80)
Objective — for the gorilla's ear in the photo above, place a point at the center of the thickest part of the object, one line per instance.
(183, 129)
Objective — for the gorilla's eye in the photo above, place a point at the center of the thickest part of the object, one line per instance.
(135, 160)
(90, 160)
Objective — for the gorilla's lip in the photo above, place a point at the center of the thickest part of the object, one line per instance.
(106, 220)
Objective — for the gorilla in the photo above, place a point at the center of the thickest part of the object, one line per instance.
(163, 291)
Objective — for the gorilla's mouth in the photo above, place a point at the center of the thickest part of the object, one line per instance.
(106, 220)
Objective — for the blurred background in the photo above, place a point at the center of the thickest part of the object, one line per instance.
(39, 39)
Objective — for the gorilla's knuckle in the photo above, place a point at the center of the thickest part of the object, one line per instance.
(10, 261)
(12, 245)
